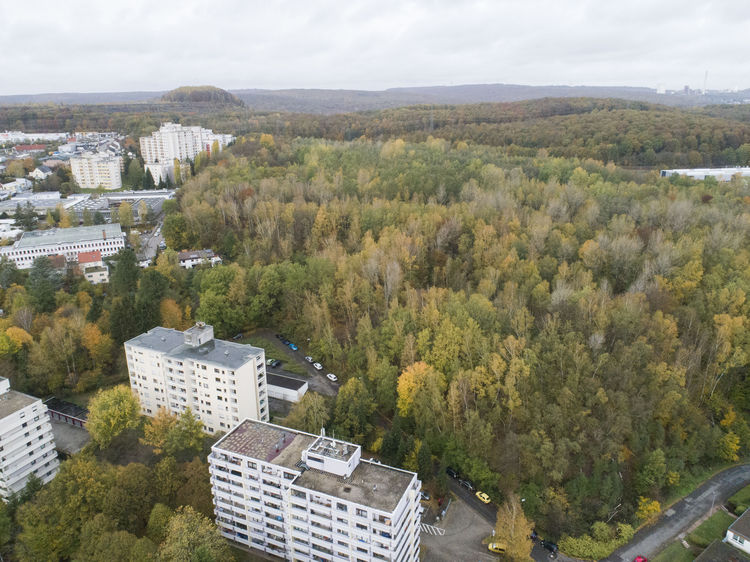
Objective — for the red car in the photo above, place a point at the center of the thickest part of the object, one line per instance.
(640, 559)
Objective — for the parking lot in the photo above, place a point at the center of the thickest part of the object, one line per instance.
(464, 530)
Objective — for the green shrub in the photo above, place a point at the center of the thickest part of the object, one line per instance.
(602, 542)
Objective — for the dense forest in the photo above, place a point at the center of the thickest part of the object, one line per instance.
(557, 327)
(627, 133)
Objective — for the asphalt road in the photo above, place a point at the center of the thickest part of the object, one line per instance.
(650, 540)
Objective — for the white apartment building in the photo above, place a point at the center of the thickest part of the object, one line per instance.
(26, 442)
(173, 141)
(105, 238)
(221, 382)
(307, 497)
(99, 169)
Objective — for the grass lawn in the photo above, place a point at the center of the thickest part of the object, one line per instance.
(675, 552)
(715, 527)
(740, 501)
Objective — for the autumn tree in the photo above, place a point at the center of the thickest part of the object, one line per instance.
(513, 529)
(110, 413)
(354, 407)
(309, 414)
(192, 536)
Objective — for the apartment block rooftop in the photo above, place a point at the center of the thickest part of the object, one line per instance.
(69, 235)
(197, 344)
(372, 484)
(12, 401)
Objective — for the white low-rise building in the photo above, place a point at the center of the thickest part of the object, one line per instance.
(93, 268)
(309, 497)
(18, 185)
(721, 174)
(99, 169)
(105, 238)
(738, 534)
(192, 258)
(26, 441)
(221, 382)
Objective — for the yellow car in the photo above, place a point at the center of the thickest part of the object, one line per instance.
(484, 498)
(498, 547)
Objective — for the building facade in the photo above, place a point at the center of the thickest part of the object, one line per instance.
(221, 382)
(27, 445)
(173, 141)
(721, 174)
(94, 170)
(306, 497)
(105, 238)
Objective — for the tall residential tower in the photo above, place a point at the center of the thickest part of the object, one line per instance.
(221, 382)
(310, 497)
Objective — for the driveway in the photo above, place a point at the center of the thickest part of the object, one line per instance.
(650, 540)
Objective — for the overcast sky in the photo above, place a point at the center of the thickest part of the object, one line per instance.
(107, 45)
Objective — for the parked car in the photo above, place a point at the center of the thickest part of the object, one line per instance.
(424, 496)
(237, 337)
(279, 336)
(308, 359)
(484, 498)
(450, 472)
(498, 547)
(285, 341)
(292, 346)
(467, 484)
(273, 363)
(534, 536)
(331, 377)
(373, 459)
(318, 366)
(550, 547)
(640, 559)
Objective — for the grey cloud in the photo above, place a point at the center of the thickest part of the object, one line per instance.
(370, 44)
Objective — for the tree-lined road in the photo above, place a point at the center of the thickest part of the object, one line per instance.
(650, 540)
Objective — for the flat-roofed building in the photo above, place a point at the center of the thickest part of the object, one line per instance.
(98, 169)
(721, 174)
(26, 441)
(189, 259)
(221, 382)
(309, 497)
(105, 238)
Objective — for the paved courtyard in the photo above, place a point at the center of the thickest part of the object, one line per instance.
(69, 439)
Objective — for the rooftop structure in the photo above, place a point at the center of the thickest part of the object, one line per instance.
(220, 381)
(318, 499)
(26, 440)
(719, 551)
(721, 174)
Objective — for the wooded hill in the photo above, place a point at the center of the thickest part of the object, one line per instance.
(623, 132)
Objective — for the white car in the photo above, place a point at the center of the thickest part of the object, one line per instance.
(308, 359)
(331, 377)
(318, 366)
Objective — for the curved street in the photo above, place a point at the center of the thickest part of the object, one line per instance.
(651, 539)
